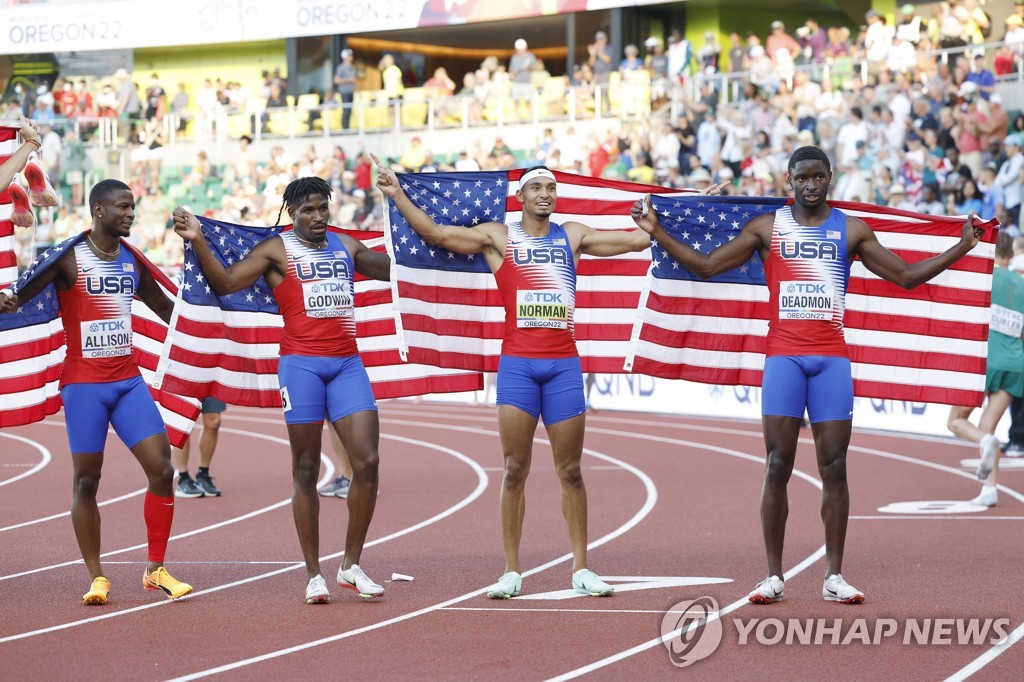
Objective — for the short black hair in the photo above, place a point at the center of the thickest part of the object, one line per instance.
(102, 190)
(809, 153)
(297, 190)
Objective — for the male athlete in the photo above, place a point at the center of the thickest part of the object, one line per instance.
(96, 281)
(807, 364)
(310, 270)
(539, 372)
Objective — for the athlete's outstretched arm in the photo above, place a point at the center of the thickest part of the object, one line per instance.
(152, 295)
(610, 242)
(891, 267)
(240, 275)
(458, 239)
(368, 262)
(734, 253)
(63, 274)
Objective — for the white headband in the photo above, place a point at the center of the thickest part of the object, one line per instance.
(535, 173)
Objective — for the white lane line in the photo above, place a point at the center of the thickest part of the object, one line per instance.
(512, 609)
(126, 496)
(989, 656)
(36, 468)
(652, 497)
(328, 475)
(211, 563)
(477, 492)
(932, 517)
(645, 646)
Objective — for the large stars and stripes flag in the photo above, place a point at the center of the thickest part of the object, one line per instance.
(228, 346)
(32, 338)
(448, 307)
(927, 344)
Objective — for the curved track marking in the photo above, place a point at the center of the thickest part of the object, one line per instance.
(104, 503)
(635, 520)
(34, 470)
(481, 485)
(328, 474)
(987, 657)
(982, 660)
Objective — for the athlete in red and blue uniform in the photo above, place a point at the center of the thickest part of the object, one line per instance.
(539, 375)
(310, 270)
(807, 251)
(100, 381)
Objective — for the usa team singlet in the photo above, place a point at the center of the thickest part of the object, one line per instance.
(807, 272)
(97, 315)
(316, 299)
(537, 283)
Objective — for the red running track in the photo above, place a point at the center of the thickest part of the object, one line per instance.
(673, 517)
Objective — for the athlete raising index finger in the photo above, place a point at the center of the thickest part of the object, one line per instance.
(810, 246)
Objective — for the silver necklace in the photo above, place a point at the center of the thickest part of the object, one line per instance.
(115, 254)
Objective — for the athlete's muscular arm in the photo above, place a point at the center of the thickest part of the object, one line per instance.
(368, 262)
(477, 239)
(152, 295)
(62, 274)
(267, 258)
(608, 242)
(755, 237)
(891, 267)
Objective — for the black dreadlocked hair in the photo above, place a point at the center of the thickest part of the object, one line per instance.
(809, 153)
(297, 190)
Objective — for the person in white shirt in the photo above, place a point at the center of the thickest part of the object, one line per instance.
(1009, 176)
(849, 133)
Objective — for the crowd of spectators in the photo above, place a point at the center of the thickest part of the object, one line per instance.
(921, 130)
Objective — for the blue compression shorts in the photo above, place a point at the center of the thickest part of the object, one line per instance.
(314, 385)
(127, 405)
(552, 389)
(822, 384)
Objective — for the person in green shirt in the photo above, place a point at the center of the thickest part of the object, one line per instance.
(1004, 376)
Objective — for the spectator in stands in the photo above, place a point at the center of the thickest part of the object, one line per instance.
(966, 200)
(983, 79)
(156, 99)
(74, 162)
(1009, 177)
(179, 106)
(969, 122)
(778, 40)
(415, 156)
(930, 204)
(600, 61)
(680, 57)
(439, 89)
(813, 41)
(898, 198)
(466, 163)
(520, 69)
(709, 54)
(345, 85)
(391, 75)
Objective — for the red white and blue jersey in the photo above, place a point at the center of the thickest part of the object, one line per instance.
(316, 299)
(537, 283)
(97, 317)
(807, 272)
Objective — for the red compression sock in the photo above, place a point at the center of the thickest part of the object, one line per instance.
(158, 512)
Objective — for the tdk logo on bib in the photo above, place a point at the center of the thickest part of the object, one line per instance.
(337, 269)
(810, 250)
(111, 284)
(107, 326)
(540, 256)
(543, 297)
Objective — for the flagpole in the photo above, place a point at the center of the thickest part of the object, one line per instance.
(389, 246)
(165, 352)
(638, 323)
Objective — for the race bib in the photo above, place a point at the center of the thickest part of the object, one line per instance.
(548, 308)
(806, 300)
(1006, 321)
(328, 298)
(107, 338)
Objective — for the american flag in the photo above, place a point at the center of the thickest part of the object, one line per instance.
(928, 344)
(8, 256)
(450, 313)
(228, 346)
(33, 341)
